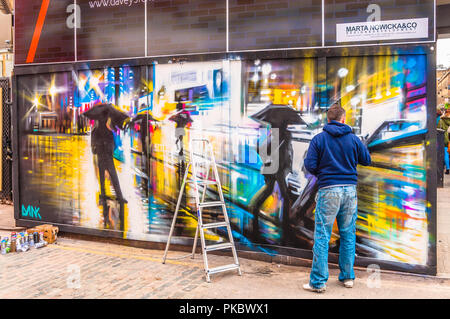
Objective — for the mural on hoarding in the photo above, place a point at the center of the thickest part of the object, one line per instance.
(107, 149)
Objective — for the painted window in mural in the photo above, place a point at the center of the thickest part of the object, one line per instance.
(274, 126)
(49, 184)
(79, 162)
(115, 102)
(190, 100)
(107, 148)
(385, 99)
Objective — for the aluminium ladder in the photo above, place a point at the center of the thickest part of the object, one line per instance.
(206, 156)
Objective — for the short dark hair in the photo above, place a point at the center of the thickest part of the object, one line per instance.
(335, 112)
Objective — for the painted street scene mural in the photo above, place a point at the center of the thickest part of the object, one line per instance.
(107, 149)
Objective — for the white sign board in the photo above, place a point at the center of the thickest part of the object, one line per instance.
(382, 30)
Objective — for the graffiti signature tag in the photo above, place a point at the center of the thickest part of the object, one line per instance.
(31, 211)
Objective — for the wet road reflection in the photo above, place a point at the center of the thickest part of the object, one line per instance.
(61, 169)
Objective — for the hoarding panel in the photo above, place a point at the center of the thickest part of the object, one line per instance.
(386, 102)
(165, 105)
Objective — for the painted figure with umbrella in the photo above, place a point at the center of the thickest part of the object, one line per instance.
(182, 118)
(279, 117)
(107, 118)
(145, 121)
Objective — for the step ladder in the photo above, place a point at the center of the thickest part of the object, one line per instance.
(201, 152)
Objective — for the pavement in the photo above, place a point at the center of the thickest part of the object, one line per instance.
(78, 268)
(75, 268)
(443, 229)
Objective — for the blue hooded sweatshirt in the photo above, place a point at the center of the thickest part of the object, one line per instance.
(334, 154)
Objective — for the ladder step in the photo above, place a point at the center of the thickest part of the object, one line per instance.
(214, 225)
(203, 182)
(218, 246)
(211, 204)
(223, 268)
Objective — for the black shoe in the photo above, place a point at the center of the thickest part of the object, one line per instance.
(447, 172)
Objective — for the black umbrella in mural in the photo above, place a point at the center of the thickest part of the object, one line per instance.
(107, 117)
(181, 118)
(144, 119)
(278, 116)
(107, 112)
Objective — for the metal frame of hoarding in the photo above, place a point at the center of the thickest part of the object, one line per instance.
(321, 54)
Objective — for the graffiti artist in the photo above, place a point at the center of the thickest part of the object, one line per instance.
(333, 156)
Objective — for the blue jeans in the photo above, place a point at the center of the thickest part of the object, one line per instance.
(337, 202)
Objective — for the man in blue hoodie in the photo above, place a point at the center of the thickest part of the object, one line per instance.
(333, 156)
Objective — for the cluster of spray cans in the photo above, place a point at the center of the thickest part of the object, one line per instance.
(21, 242)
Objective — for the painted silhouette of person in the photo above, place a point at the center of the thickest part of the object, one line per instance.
(102, 142)
(182, 119)
(144, 131)
(143, 120)
(284, 156)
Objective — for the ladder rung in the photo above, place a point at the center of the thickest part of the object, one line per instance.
(211, 204)
(223, 268)
(218, 246)
(214, 225)
(203, 182)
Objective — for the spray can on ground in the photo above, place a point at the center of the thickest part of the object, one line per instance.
(42, 242)
(13, 242)
(13, 245)
(19, 243)
(23, 242)
(4, 245)
(31, 240)
(36, 237)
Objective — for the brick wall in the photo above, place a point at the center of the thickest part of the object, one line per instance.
(348, 11)
(113, 32)
(194, 26)
(56, 42)
(186, 26)
(265, 24)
